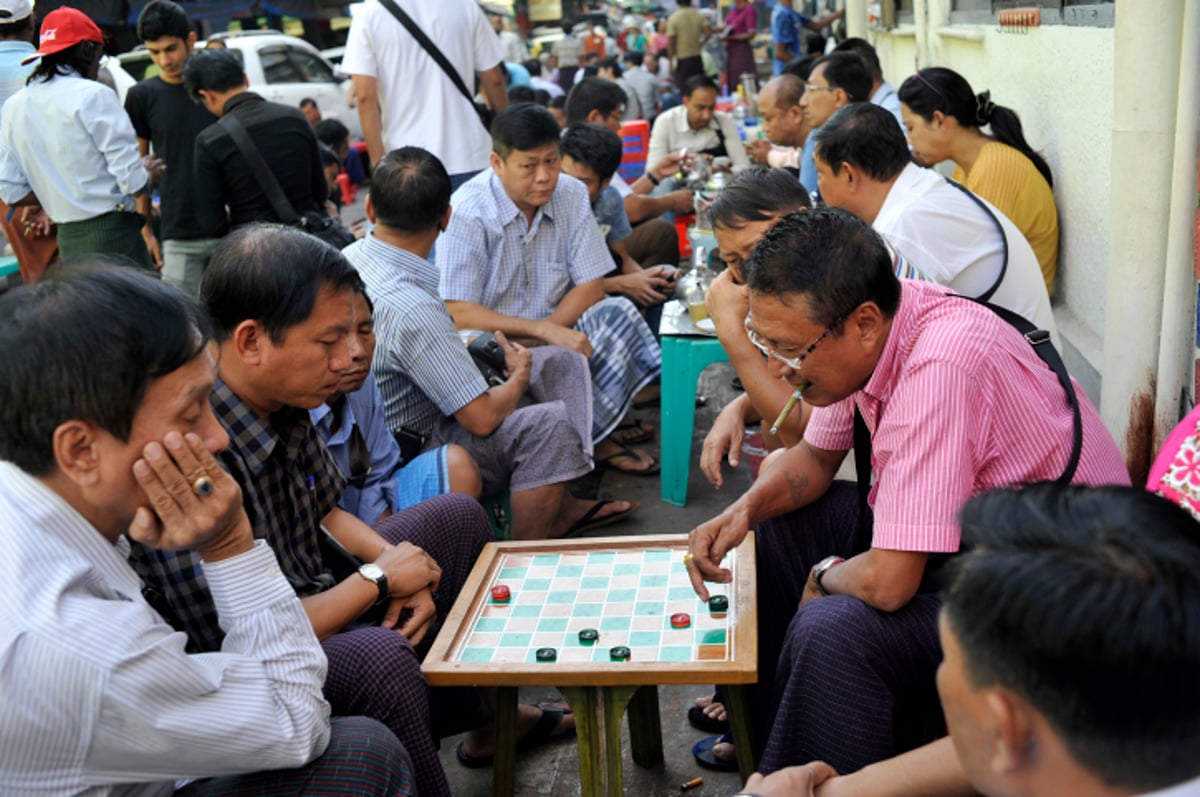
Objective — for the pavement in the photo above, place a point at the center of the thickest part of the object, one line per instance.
(553, 769)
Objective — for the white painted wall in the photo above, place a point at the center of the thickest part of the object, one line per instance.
(1059, 80)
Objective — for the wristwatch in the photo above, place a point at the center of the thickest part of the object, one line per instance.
(373, 572)
(818, 571)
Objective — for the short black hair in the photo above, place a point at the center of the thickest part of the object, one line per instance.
(541, 97)
(558, 101)
(533, 66)
(635, 57)
(593, 94)
(865, 135)
(21, 29)
(1086, 602)
(331, 132)
(864, 50)
(848, 72)
(212, 70)
(524, 126)
(328, 156)
(270, 273)
(595, 146)
(410, 190)
(84, 343)
(307, 101)
(520, 94)
(831, 257)
(162, 18)
(757, 195)
(801, 67)
(611, 63)
(699, 82)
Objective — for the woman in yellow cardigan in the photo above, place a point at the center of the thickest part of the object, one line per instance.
(945, 118)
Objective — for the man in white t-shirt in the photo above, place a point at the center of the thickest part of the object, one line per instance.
(949, 234)
(405, 98)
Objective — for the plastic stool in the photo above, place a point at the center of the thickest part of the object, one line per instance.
(683, 358)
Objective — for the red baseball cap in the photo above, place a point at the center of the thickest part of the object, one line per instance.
(65, 27)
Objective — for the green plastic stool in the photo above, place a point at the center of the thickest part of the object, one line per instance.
(683, 358)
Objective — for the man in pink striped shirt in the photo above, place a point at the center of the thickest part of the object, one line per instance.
(956, 403)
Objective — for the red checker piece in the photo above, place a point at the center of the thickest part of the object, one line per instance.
(681, 620)
(501, 593)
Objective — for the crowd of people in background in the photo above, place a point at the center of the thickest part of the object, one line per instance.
(268, 448)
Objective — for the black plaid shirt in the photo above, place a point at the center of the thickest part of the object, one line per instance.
(289, 484)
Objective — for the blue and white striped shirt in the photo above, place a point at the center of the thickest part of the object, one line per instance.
(421, 364)
(98, 695)
(490, 256)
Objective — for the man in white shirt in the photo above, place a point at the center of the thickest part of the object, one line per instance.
(697, 126)
(99, 695)
(1071, 651)
(949, 234)
(405, 98)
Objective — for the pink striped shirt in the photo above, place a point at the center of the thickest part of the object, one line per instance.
(958, 404)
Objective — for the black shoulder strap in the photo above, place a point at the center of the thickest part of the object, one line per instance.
(862, 465)
(432, 50)
(262, 172)
(987, 295)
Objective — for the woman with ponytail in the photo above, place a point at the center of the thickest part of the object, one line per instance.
(944, 118)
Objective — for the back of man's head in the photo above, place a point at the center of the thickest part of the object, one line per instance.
(593, 94)
(758, 195)
(332, 133)
(212, 70)
(533, 66)
(634, 57)
(271, 274)
(800, 67)
(612, 65)
(523, 127)
(410, 190)
(162, 19)
(1085, 602)
(784, 91)
(863, 49)
(830, 257)
(866, 136)
(848, 72)
(595, 146)
(84, 344)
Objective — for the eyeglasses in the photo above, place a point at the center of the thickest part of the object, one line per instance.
(815, 87)
(791, 362)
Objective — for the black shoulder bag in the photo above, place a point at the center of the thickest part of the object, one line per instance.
(316, 223)
(484, 113)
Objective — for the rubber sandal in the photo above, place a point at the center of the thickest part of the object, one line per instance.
(702, 722)
(625, 453)
(632, 432)
(590, 521)
(702, 752)
(541, 732)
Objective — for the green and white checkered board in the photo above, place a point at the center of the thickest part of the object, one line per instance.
(627, 595)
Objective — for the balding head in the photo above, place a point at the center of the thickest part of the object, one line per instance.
(783, 118)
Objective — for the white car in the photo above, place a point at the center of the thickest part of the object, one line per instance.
(287, 69)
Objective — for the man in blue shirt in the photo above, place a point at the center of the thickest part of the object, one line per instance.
(786, 24)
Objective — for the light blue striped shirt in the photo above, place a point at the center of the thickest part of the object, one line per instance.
(70, 142)
(421, 364)
(490, 256)
(98, 696)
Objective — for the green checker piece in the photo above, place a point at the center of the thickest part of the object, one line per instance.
(489, 624)
(515, 640)
(476, 655)
(718, 604)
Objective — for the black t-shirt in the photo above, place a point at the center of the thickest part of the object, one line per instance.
(166, 116)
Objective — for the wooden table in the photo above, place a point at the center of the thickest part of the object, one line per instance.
(627, 588)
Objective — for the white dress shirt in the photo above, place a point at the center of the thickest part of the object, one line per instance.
(69, 141)
(672, 132)
(1189, 789)
(97, 695)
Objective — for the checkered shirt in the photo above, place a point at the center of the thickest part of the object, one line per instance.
(289, 484)
(490, 256)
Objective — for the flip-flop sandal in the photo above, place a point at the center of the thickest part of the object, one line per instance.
(541, 732)
(702, 751)
(590, 521)
(625, 453)
(702, 722)
(632, 432)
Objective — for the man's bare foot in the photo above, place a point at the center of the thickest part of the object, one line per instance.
(480, 744)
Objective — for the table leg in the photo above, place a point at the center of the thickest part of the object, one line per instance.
(504, 763)
(598, 711)
(739, 727)
(645, 727)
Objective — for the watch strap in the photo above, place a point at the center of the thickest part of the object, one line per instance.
(823, 566)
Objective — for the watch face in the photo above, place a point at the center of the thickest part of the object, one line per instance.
(371, 571)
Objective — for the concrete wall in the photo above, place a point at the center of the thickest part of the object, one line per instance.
(1059, 80)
